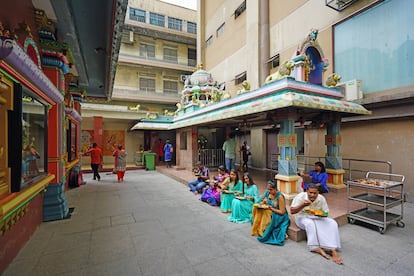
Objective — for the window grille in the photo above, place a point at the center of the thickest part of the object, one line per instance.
(209, 41)
(157, 19)
(240, 9)
(240, 78)
(191, 28)
(175, 24)
(147, 84)
(170, 55)
(220, 30)
(137, 15)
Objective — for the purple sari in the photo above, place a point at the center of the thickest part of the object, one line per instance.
(211, 196)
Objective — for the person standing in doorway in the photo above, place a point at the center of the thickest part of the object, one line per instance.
(229, 148)
(96, 160)
(160, 151)
(168, 153)
(245, 149)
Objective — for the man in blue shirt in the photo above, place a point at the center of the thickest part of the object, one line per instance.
(203, 175)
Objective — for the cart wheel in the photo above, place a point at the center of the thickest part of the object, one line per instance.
(351, 220)
(400, 224)
(381, 230)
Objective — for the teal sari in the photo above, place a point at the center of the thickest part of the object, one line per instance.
(275, 232)
(242, 208)
(226, 199)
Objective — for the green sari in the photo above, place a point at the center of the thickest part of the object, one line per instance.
(227, 198)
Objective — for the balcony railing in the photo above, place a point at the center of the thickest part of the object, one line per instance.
(147, 94)
(187, 63)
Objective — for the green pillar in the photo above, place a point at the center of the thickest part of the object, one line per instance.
(333, 144)
(333, 159)
(287, 164)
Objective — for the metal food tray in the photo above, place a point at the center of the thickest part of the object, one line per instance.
(384, 182)
(376, 199)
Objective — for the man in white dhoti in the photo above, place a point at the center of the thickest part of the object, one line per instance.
(322, 232)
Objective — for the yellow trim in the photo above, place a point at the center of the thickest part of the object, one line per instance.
(25, 194)
(55, 159)
(71, 164)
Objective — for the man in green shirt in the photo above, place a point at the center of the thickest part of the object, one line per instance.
(229, 148)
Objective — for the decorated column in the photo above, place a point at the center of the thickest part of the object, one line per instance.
(287, 164)
(333, 160)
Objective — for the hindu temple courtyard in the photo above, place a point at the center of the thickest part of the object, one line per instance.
(152, 225)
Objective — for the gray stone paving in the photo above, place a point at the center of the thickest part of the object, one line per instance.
(152, 225)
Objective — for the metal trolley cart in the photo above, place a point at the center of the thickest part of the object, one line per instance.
(379, 195)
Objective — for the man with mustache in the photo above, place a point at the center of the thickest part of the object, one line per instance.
(322, 232)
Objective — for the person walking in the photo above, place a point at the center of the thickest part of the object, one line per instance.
(168, 153)
(96, 160)
(229, 148)
(120, 156)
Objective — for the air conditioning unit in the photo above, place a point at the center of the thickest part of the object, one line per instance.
(352, 89)
(128, 37)
(183, 77)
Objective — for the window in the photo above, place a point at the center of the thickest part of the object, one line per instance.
(209, 41)
(147, 85)
(191, 28)
(170, 87)
(183, 140)
(275, 61)
(33, 138)
(240, 9)
(240, 78)
(220, 30)
(137, 15)
(170, 55)
(157, 19)
(175, 24)
(192, 57)
(146, 50)
(367, 46)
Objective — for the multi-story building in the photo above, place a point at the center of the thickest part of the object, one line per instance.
(158, 51)
(368, 43)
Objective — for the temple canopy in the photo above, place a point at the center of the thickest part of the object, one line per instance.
(265, 105)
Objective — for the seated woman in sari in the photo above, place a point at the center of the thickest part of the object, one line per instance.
(242, 206)
(270, 219)
(229, 190)
(212, 194)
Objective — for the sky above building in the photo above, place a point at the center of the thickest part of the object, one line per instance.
(191, 4)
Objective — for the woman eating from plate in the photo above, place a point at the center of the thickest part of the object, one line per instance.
(270, 219)
(241, 206)
(229, 190)
(212, 194)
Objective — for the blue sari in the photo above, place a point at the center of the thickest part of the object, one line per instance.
(242, 208)
(226, 199)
